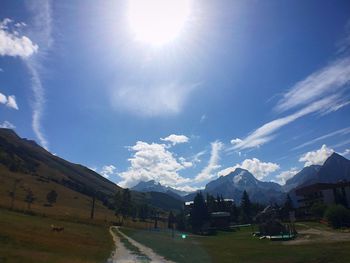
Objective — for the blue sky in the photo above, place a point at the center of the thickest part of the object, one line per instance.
(262, 85)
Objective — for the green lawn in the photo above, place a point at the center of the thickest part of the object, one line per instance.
(25, 238)
(238, 246)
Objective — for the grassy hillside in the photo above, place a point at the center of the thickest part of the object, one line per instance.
(25, 238)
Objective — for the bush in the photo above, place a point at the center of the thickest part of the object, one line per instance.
(338, 216)
(318, 209)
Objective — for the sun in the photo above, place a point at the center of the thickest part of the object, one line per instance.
(157, 22)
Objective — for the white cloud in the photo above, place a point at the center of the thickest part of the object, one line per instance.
(152, 162)
(7, 125)
(108, 170)
(316, 157)
(11, 44)
(9, 101)
(332, 79)
(153, 100)
(175, 139)
(185, 163)
(209, 171)
(285, 175)
(12, 102)
(346, 152)
(338, 132)
(258, 168)
(188, 189)
(266, 132)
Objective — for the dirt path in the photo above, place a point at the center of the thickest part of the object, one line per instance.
(123, 255)
(314, 235)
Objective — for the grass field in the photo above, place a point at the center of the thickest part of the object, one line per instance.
(25, 238)
(70, 204)
(238, 246)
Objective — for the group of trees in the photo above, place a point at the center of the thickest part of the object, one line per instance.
(29, 196)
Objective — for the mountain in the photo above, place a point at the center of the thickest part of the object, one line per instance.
(38, 170)
(153, 186)
(233, 185)
(305, 175)
(336, 168)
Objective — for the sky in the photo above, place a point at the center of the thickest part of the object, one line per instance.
(179, 91)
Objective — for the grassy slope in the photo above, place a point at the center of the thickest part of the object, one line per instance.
(70, 204)
(238, 247)
(25, 238)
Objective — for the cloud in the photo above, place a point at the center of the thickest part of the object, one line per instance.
(258, 168)
(176, 139)
(332, 79)
(203, 118)
(285, 175)
(213, 164)
(266, 132)
(152, 162)
(41, 30)
(316, 157)
(9, 101)
(108, 170)
(7, 125)
(12, 102)
(346, 152)
(11, 44)
(154, 99)
(338, 132)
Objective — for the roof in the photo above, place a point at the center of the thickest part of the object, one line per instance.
(220, 214)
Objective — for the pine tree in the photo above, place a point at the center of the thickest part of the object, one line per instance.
(51, 197)
(171, 220)
(199, 213)
(246, 207)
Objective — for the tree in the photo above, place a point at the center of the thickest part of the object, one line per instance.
(171, 220)
(199, 213)
(29, 198)
(318, 209)
(338, 216)
(143, 212)
(181, 221)
(12, 194)
(126, 205)
(287, 207)
(51, 197)
(211, 204)
(246, 207)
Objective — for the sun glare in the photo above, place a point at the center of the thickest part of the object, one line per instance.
(157, 22)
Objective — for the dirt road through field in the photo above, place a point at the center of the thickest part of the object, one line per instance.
(130, 251)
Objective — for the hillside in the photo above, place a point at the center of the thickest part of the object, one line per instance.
(25, 166)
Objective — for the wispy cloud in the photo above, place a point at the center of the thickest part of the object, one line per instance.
(283, 177)
(267, 132)
(332, 79)
(209, 171)
(41, 31)
(153, 100)
(326, 136)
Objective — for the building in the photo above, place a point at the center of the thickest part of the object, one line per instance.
(323, 193)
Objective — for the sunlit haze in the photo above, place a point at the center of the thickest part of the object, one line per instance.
(157, 22)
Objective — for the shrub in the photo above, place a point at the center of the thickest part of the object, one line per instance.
(318, 209)
(338, 216)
